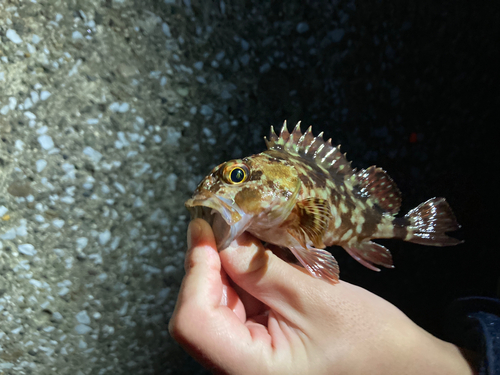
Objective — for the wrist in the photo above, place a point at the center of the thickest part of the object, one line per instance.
(435, 356)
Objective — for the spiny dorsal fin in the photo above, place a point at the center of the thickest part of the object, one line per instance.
(312, 148)
(376, 184)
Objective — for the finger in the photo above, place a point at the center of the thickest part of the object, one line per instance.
(281, 286)
(204, 321)
(206, 283)
(253, 307)
(201, 292)
(231, 298)
(202, 283)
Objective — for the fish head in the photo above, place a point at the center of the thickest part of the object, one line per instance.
(239, 193)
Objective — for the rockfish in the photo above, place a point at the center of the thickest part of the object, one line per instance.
(302, 194)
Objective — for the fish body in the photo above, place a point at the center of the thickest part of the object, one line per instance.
(302, 194)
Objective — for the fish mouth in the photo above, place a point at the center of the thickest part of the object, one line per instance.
(227, 220)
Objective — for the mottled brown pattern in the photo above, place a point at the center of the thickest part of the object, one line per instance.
(318, 179)
(248, 200)
(276, 155)
(270, 183)
(400, 227)
(302, 194)
(215, 187)
(376, 183)
(346, 223)
(255, 175)
(281, 175)
(308, 182)
(314, 171)
(372, 219)
(306, 168)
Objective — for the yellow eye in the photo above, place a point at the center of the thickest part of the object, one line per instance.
(236, 173)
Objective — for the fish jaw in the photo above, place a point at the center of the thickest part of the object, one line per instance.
(227, 220)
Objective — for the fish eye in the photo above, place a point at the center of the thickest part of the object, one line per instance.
(236, 174)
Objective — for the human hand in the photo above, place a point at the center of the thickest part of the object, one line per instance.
(245, 311)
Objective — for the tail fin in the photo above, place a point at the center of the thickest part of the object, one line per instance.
(429, 222)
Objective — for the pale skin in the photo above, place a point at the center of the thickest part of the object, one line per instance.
(246, 311)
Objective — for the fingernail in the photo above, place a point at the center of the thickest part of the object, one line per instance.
(194, 231)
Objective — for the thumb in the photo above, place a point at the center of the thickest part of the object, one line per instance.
(281, 286)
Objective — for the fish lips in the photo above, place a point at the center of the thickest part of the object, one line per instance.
(226, 219)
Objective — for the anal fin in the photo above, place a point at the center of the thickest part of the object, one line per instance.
(319, 263)
(370, 254)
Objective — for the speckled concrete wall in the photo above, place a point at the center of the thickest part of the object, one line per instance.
(112, 111)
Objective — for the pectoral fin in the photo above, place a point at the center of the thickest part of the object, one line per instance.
(308, 223)
(310, 218)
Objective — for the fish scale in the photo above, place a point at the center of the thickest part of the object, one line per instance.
(302, 194)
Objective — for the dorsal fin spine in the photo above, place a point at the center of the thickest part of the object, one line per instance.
(314, 149)
(284, 134)
(301, 139)
(328, 154)
(318, 151)
(273, 136)
(296, 131)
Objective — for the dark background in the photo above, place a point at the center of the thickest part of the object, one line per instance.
(412, 86)
(428, 118)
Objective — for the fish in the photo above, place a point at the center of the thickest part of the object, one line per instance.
(302, 194)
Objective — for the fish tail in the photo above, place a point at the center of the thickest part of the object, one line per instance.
(428, 223)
